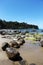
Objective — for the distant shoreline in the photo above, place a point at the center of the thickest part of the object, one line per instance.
(16, 25)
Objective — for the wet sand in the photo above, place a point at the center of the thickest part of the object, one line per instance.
(32, 53)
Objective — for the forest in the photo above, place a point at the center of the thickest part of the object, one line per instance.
(16, 25)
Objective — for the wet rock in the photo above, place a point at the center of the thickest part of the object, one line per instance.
(4, 37)
(23, 62)
(32, 64)
(5, 45)
(17, 31)
(23, 36)
(38, 38)
(3, 32)
(15, 44)
(41, 43)
(23, 33)
(21, 41)
(12, 53)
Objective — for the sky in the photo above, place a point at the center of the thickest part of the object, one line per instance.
(28, 11)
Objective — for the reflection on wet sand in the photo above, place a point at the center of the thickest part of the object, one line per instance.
(33, 53)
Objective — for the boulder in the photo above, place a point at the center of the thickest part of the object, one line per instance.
(15, 44)
(21, 41)
(3, 32)
(12, 53)
(41, 43)
(5, 45)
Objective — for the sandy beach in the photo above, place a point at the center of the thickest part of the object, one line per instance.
(30, 52)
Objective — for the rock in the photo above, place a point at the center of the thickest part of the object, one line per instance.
(23, 36)
(5, 45)
(23, 62)
(38, 38)
(15, 44)
(41, 43)
(21, 41)
(18, 37)
(17, 31)
(32, 64)
(3, 32)
(23, 33)
(12, 53)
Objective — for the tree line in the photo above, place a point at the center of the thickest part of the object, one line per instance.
(15, 25)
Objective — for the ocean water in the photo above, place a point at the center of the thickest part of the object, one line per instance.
(24, 30)
(32, 30)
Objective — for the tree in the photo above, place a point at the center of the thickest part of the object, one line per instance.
(15, 25)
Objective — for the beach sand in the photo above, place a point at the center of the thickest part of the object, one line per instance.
(29, 52)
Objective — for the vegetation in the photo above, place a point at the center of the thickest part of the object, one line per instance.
(15, 25)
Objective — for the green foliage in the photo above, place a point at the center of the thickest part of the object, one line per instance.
(15, 25)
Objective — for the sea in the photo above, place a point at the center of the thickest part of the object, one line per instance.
(32, 30)
(24, 30)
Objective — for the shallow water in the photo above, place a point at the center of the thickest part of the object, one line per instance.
(32, 53)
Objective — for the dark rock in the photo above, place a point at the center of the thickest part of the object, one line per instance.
(23, 33)
(12, 53)
(21, 41)
(32, 64)
(3, 32)
(41, 43)
(15, 44)
(5, 45)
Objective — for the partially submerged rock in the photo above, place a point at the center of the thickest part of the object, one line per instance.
(5, 45)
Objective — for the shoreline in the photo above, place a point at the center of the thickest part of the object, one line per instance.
(29, 52)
